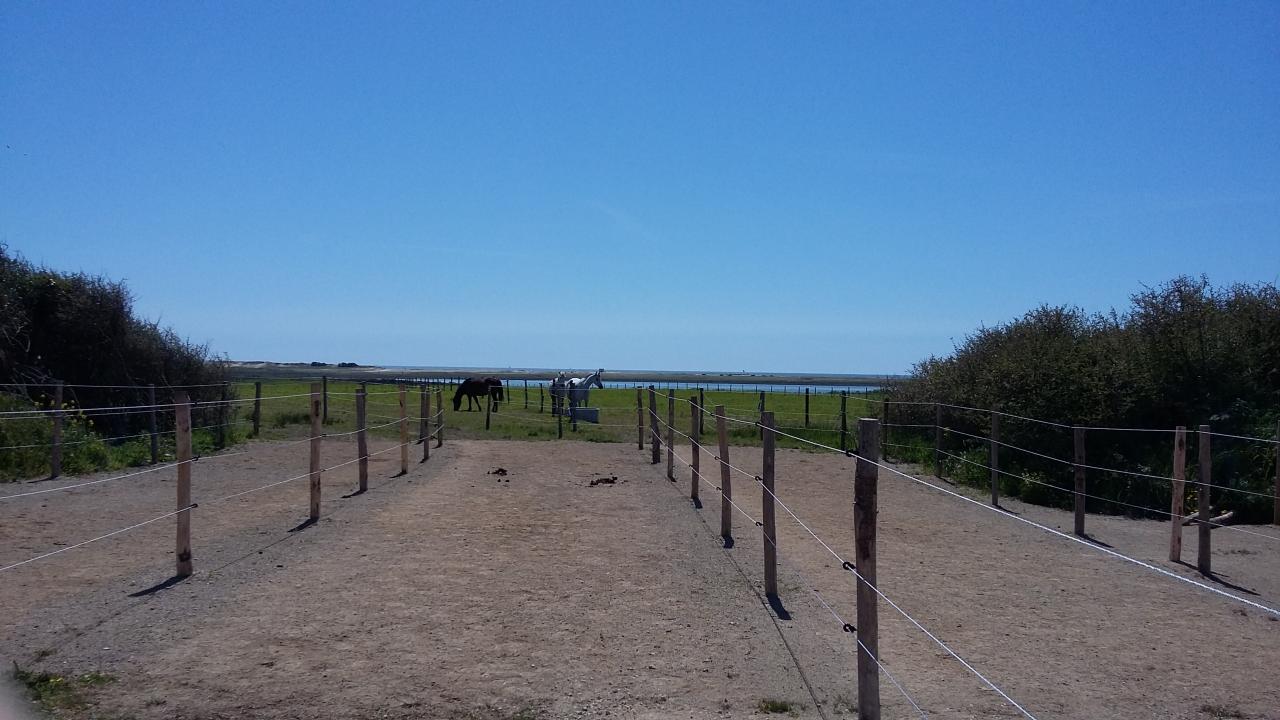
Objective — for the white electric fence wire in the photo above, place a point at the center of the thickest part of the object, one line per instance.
(93, 540)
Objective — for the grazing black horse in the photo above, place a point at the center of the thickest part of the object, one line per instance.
(475, 389)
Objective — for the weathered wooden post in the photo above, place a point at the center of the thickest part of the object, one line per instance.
(655, 439)
(695, 418)
(1078, 466)
(937, 440)
(257, 407)
(440, 422)
(182, 443)
(541, 400)
(806, 408)
(488, 407)
(702, 408)
(426, 425)
(526, 394)
(317, 414)
(223, 420)
(362, 439)
(1179, 492)
(993, 454)
(573, 413)
(769, 531)
(55, 451)
(423, 405)
(153, 424)
(324, 382)
(639, 419)
(884, 435)
(844, 422)
(1275, 518)
(726, 480)
(1204, 561)
(403, 394)
(865, 509)
(671, 435)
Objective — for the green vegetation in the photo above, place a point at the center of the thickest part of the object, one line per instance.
(774, 706)
(1184, 353)
(53, 693)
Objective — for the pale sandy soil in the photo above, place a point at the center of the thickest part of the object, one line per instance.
(447, 593)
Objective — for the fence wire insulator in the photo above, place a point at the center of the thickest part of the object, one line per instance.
(846, 565)
(849, 628)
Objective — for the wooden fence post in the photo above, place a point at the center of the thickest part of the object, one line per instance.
(937, 440)
(440, 422)
(1204, 560)
(182, 443)
(257, 407)
(154, 426)
(864, 527)
(844, 422)
(1275, 519)
(726, 480)
(317, 410)
(488, 407)
(324, 381)
(695, 413)
(55, 452)
(426, 425)
(806, 408)
(362, 439)
(655, 439)
(1078, 434)
(769, 531)
(541, 400)
(1179, 492)
(526, 394)
(423, 405)
(403, 394)
(223, 418)
(573, 413)
(639, 419)
(671, 435)
(702, 409)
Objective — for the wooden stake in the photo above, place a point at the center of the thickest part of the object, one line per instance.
(1275, 518)
(426, 425)
(1179, 492)
(671, 436)
(403, 393)
(317, 416)
(257, 408)
(540, 399)
(806, 407)
(526, 394)
(864, 527)
(844, 422)
(769, 532)
(702, 418)
(1078, 434)
(488, 407)
(1204, 499)
(760, 411)
(151, 421)
(423, 404)
(55, 452)
(695, 417)
(639, 419)
(324, 381)
(182, 440)
(362, 439)
(440, 422)
(726, 480)
(655, 439)
(993, 454)
(884, 435)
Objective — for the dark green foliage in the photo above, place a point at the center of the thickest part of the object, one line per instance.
(81, 329)
(1184, 353)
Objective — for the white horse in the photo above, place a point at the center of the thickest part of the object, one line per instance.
(572, 392)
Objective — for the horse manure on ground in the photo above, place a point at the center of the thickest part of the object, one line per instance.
(612, 479)
(501, 473)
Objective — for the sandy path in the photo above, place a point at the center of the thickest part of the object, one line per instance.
(447, 593)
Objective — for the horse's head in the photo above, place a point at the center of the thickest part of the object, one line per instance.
(595, 378)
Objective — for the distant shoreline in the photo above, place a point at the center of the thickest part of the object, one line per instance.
(241, 370)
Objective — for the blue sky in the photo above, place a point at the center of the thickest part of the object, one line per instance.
(841, 187)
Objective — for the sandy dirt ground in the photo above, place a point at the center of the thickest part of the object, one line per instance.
(454, 593)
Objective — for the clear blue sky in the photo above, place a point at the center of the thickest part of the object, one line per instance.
(838, 187)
